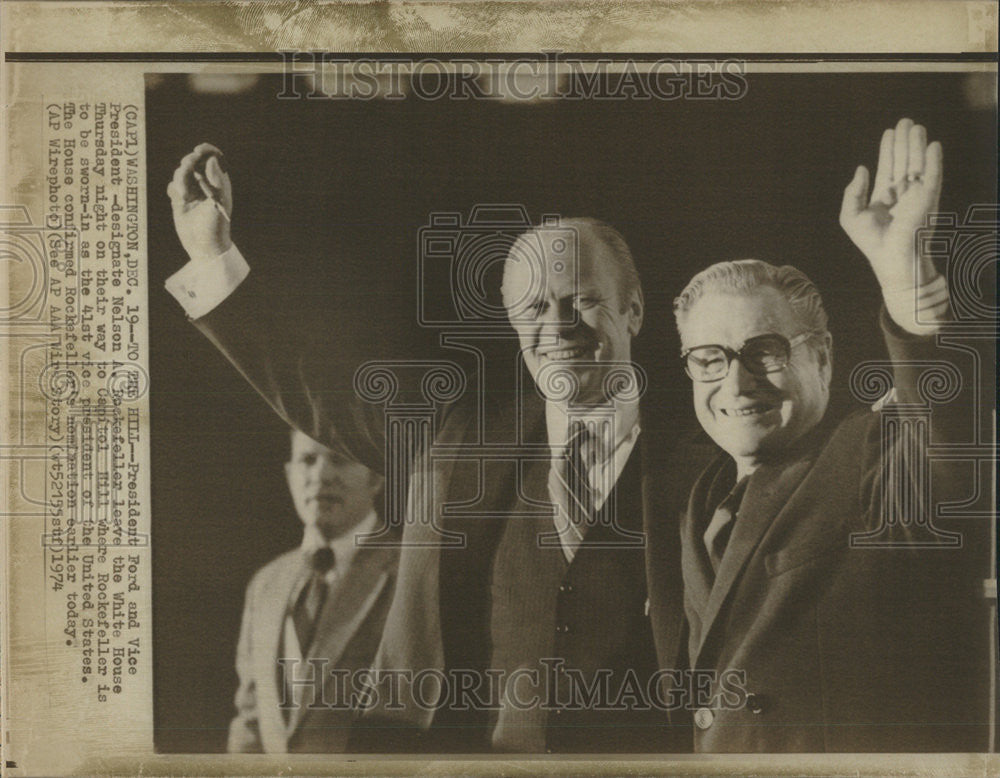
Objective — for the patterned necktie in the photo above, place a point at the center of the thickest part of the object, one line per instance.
(310, 601)
(570, 490)
(721, 525)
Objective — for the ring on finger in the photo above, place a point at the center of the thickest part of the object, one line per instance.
(914, 177)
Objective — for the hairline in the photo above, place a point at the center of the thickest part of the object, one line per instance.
(627, 280)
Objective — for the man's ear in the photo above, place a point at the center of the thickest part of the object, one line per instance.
(824, 356)
(636, 310)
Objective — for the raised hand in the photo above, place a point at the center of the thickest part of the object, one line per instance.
(201, 197)
(907, 189)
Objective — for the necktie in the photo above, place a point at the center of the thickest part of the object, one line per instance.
(569, 488)
(310, 601)
(721, 526)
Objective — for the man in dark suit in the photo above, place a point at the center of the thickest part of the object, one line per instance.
(314, 615)
(529, 633)
(807, 571)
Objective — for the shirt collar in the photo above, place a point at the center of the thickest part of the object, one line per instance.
(611, 455)
(625, 425)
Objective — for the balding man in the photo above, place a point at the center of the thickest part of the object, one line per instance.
(532, 636)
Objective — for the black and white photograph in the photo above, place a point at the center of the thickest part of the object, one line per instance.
(489, 388)
(540, 407)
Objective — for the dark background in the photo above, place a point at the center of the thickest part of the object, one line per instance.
(329, 197)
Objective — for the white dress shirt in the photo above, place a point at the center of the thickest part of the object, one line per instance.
(613, 450)
(204, 282)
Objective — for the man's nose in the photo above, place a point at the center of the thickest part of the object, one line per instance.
(739, 380)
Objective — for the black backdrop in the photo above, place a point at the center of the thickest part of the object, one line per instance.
(329, 197)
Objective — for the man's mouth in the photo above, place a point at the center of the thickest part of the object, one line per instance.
(566, 353)
(326, 499)
(747, 411)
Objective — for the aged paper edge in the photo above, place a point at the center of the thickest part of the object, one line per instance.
(910, 26)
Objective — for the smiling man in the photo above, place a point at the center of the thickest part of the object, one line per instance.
(841, 644)
(319, 607)
(753, 399)
(578, 306)
(575, 309)
(552, 606)
(531, 634)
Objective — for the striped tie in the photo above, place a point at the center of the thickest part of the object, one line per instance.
(570, 490)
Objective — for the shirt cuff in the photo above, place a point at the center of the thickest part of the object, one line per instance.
(203, 282)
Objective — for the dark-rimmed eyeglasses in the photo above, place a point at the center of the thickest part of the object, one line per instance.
(760, 355)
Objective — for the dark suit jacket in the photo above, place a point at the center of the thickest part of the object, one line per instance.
(347, 634)
(439, 619)
(440, 616)
(829, 646)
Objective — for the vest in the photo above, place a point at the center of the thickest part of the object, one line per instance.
(572, 638)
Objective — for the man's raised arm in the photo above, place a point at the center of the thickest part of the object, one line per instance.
(308, 382)
(201, 197)
(884, 226)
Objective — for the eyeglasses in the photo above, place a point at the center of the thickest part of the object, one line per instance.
(760, 355)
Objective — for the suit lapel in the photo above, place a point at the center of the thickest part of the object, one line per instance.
(699, 577)
(767, 493)
(268, 629)
(346, 610)
(517, 485)
(660, 512)
(532, 500)
(412, 638)
(510, 487)
(349, 606)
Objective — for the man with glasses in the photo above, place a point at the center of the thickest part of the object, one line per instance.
(829, 643)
